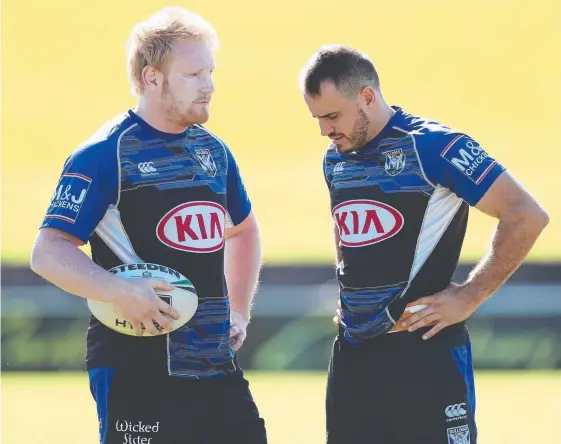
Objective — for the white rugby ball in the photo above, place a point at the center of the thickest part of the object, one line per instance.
(183, 298)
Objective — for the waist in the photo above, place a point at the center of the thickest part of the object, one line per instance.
(186, 353)
(404, 341)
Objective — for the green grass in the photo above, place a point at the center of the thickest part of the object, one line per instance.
(56, 408)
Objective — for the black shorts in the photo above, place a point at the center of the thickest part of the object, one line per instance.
(135, 409)
(410, 393)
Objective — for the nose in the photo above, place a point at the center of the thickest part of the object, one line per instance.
(326, 128)
(208, 87)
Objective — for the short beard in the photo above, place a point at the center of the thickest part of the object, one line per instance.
(173, 111)
(359, 134)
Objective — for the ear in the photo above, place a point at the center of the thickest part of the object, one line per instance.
(368, 95)
(151, 78)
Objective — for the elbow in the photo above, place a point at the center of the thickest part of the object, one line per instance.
(37, 261)
(34, 261)
(541, 218)
(545, 219)
(537, 219)
(531, 217)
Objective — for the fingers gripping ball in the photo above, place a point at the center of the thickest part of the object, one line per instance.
(182, 298)
(410, 310)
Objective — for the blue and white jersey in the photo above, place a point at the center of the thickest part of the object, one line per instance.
(400, 204)
(140, 195)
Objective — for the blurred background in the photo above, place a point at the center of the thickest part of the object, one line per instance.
(490, 69)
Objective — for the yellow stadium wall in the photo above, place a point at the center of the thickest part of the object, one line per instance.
(490, 69)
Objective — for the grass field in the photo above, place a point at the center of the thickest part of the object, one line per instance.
(512, 408)
(487, 68)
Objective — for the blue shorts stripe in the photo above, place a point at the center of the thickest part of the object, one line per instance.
(463, 358)
(100, 385)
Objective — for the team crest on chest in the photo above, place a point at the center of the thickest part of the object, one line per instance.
(395, 162)
(207, 162)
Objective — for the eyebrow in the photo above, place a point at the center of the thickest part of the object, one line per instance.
(326, 115)
(195, 70)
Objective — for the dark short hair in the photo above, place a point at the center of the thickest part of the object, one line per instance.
(348, 69)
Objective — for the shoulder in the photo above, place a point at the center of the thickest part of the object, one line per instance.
(432, 138)
(426, 130)
(102, 146)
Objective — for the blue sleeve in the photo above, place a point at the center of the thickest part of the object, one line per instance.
(87, 186)
(237, 200)
(457, 162)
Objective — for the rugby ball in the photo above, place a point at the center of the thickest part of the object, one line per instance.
(182, 298)
(410, 309)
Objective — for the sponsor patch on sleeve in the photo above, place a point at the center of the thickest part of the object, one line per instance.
(69, 197)
(466, 155)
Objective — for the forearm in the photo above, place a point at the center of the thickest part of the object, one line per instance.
(66, 266)
(512, 240)
(241, 267)
(338, 252)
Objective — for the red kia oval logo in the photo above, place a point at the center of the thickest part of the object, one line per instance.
(194, 226)
(366, 222)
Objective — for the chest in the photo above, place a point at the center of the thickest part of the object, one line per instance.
(388, 170)
(189, 163)
(375, 194)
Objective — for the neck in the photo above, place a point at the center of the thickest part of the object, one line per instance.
(152, 114)
(380, 119)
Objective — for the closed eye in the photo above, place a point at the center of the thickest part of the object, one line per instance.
(330, 116)
(199, 73)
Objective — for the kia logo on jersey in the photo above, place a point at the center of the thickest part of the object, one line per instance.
(194, 226)
(366, 222)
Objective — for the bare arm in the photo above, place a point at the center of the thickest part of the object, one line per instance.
(521, 220)
(338, 253)
(338, 265)
(57, 258)
(242, 263)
